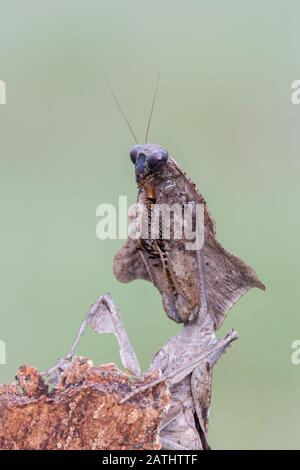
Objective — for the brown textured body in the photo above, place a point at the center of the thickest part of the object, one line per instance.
(173, 269)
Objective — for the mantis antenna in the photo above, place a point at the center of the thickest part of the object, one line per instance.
(119, 108)
(152, 106)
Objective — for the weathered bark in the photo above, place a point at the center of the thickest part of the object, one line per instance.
(82, 412)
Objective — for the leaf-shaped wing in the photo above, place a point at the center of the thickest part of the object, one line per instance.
(226, 279)
(128, 263)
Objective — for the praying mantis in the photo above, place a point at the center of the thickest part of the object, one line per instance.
(198, 287)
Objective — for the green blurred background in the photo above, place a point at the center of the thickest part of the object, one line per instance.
(223, 111)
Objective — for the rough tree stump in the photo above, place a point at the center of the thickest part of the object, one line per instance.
(82, 411)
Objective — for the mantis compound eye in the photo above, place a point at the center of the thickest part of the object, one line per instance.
(157, 158)
(134, 153)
